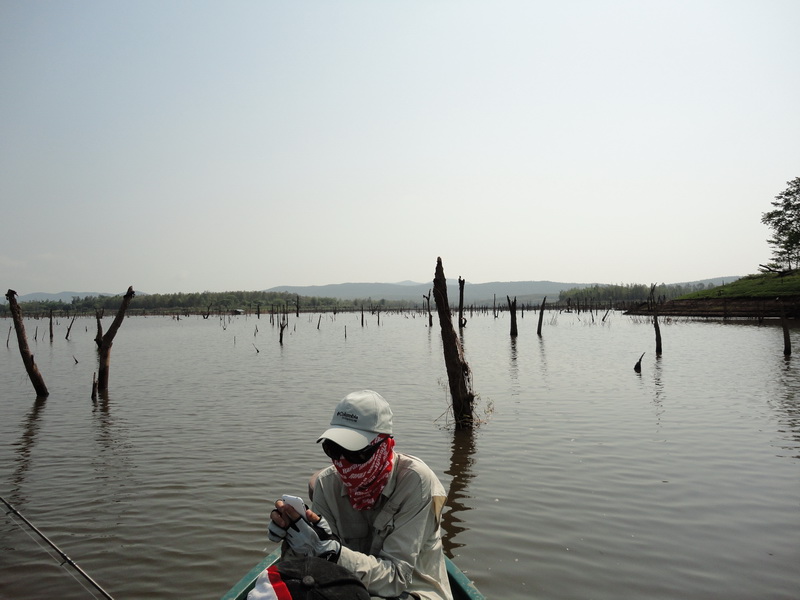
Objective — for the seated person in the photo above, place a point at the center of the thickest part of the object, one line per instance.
(374, 511)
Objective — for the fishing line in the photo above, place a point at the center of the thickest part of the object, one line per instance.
(66, 559)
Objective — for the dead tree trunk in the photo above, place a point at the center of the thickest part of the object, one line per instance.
(458, 373)
(51, 325)
(462, 322)
(27, 358)
(430, 314)
(104, 342)
(512, 309)
(283, 323)
(655, 320)
(541, 317)
(71, 323)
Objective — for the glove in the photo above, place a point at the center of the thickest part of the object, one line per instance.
(313, 540)
(275, 533)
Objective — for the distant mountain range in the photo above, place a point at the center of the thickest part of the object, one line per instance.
(474, 293)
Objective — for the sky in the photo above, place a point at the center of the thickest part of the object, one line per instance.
(187, 146)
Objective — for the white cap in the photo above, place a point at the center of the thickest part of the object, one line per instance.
(357, 419)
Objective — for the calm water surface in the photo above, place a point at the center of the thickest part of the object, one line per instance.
(587, 480)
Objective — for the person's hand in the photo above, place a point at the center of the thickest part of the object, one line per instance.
(312, 536)
(280, 519)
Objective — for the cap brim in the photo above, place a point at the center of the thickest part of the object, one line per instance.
(348, 438)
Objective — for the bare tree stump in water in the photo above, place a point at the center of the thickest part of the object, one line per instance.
(430, 314)
(27, 358)
(638, 366)
(283, 323)
(655, 319)
(512, 309)
(541, 316)
(458, 373)
(104, 342)
(70, 327)
(462, 322)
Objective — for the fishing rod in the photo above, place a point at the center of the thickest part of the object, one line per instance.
(67, 559)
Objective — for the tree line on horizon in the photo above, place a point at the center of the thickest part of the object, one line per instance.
(266, 302)
(613, 294)
(206, 303)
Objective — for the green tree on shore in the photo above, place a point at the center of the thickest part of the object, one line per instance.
(784, 220)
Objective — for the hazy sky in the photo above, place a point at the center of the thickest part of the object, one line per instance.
(182, 146)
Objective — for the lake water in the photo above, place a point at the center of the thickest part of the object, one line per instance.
(586, 481)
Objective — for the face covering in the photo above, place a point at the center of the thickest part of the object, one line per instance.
(365, 482)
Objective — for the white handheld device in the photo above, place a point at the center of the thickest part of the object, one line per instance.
(296, 502)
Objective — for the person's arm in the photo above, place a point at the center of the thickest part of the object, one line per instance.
(412, 524)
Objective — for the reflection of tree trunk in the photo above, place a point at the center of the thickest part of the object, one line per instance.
(27, 442)
(787, 342)
(104, 342)
(458, 374)
(27, 358)
(460, 470)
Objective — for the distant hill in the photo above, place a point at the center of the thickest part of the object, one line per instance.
(474, 293)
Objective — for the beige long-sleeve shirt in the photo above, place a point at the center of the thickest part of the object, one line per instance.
(395, 547)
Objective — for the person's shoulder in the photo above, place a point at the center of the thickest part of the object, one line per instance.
(410, 461)
(411, 467)
(326, 476)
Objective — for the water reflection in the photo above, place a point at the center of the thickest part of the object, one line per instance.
(513, 367)
(461, 461)
(112, 461)
(658, 390)
(788, 402)
(25, 446)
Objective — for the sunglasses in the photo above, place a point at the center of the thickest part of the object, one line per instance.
(355, 457)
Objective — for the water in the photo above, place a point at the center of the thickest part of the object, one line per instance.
(587, 480)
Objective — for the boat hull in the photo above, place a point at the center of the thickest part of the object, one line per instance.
(462, 587)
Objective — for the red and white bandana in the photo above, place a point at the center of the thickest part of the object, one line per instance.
(365, 482)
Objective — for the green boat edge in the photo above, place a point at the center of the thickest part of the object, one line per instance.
(463, 588)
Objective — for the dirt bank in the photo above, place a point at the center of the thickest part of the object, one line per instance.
(721, 308)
